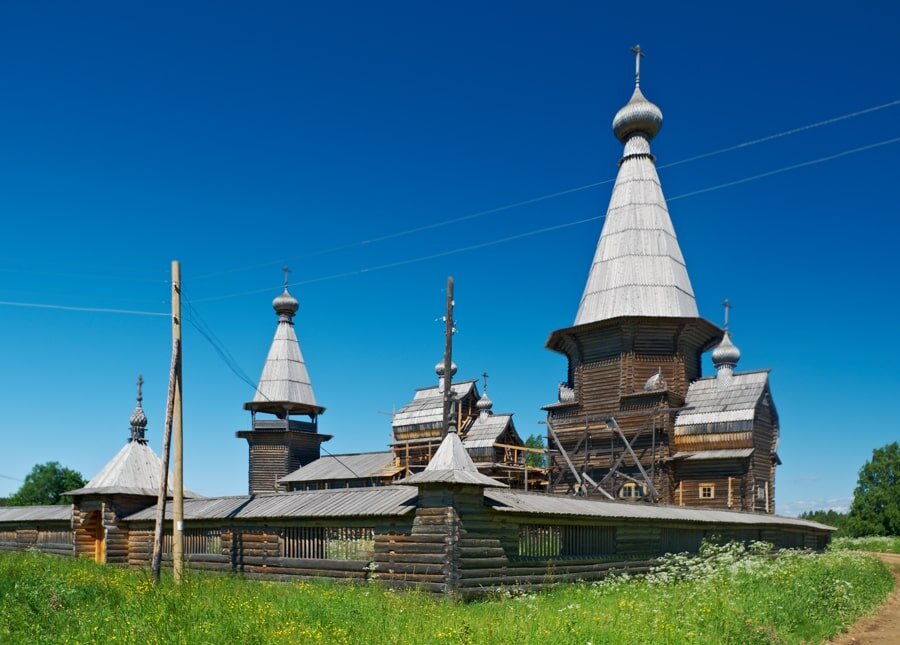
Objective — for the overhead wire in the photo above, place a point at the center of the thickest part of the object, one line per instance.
(554, 195)
(556, 227)
(96, 310)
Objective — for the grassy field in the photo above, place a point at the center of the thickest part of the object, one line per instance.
(873, 543)
(726, 596)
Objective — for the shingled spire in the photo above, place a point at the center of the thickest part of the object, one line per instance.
(284, 386)
(281, 446)
(638, 269)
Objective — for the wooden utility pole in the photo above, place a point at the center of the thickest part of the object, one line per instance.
(448, 355)
(156, 560)
(178, 474)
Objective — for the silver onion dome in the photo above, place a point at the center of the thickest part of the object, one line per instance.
(655, 382)
(484, 403)
(285, 304)
(726, 354)
(638, 115)
(138, 418)
(439, 369)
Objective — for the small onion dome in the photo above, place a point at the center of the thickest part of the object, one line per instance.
(138, 418)
(439, 369)
(285, 304)
(484, 403)
(726, 354)
(638, 115)
(655, 382)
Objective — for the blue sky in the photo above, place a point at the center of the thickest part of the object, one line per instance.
(235, 137)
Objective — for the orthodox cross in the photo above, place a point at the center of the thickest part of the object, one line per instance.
(638, 55)
(286, 270)
(727, 306)
(140, 395)
(484, 376)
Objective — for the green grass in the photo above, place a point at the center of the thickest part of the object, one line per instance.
(877, 544)
(726, 596)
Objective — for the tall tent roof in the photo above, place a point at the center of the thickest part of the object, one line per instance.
(285, 386)
(638, 268)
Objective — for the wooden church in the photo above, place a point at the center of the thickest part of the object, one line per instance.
(634, 418)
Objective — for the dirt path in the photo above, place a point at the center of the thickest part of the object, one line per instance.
(882, 627)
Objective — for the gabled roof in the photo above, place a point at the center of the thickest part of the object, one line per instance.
(339, 502)
(427, 406)
(451, 464)
(728, 404)
(486, 430)
(638, 268)
(363, 465)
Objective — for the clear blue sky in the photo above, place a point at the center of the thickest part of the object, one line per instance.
(236, 135)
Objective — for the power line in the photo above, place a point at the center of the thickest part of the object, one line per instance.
(15, 479)
(96, 310)
(556, 227)
(560, 193)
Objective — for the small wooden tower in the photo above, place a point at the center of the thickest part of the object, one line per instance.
(127, 484)
(280, 445)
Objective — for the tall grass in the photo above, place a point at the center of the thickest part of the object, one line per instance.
(727, 595)
(875, 543)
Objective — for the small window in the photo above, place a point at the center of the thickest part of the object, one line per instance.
(761, 490)
(707, 491)
(631, 491)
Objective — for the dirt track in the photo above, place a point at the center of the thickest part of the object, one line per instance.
(882, 627)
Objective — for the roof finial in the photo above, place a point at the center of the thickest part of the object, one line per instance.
(638, 54)
(285, 305)
(726, 354)
(138, 418)
(484, 404)
(484, 378)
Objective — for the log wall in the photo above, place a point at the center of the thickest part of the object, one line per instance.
(453, 543)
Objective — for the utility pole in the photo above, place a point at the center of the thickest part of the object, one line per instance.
(448, 355)
(178, 440)
(156, 560)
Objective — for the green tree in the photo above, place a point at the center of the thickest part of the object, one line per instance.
(876, 500)
(830, 517)
(535, 459)
(45, 484)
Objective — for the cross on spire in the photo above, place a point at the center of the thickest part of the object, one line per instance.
(287, 271)
(638, 55)
(484, 377)
(140, 393)
(727, 306)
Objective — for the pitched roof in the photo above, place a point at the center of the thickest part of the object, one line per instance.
(638, 268)
(135, 470)
(515, 501)
(720, 402)
(427, 406)
(712, 455)
(339, 502)
(361, 465)
(485, 430)
(451, 464)
(57, 512)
